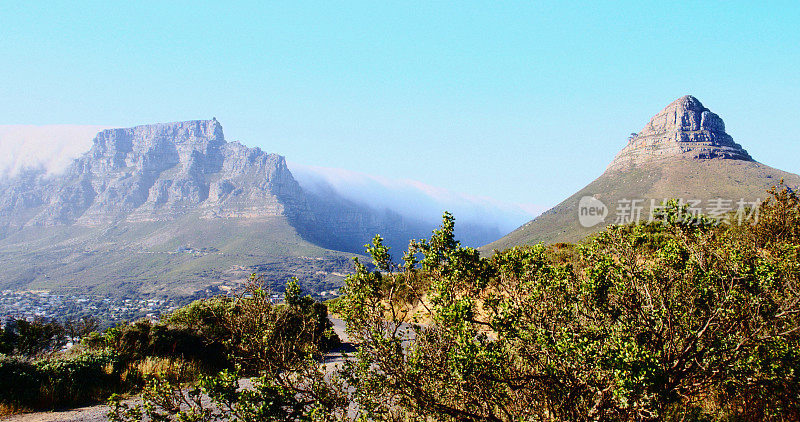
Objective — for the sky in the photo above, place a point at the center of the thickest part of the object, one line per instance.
(520, 102)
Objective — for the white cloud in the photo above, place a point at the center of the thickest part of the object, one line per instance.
(414, 199)
(52, 147)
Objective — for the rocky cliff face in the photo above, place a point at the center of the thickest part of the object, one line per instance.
(157, 172)
(163, 172)
(685, 128)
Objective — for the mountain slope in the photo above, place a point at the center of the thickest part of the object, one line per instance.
(175, 257)
(683, 153)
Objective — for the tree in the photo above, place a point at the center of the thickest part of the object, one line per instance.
(33, 338)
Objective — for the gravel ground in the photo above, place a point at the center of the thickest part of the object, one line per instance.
(83, 414)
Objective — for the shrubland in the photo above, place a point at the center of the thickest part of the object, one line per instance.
(677, 319)
(680, 318)
(278, 346)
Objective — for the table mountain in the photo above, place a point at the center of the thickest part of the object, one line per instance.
(157, 173)
(683, 152)
(173, 208)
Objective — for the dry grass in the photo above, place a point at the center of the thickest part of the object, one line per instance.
(8, 410)
(172, 369)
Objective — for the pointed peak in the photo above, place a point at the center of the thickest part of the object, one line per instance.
(688, 102)
(684, 128)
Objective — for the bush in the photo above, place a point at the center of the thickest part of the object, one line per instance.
(56, 382)
(667, 320)
(282, 344)
(135, 342)
(266, 337)
(206, 316)
(81, 379)
(32, 338)
(19, 382)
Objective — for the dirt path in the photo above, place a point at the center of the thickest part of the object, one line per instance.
(82, 414)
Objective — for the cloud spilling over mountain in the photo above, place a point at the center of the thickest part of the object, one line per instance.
(411, 198)
(53, 147)
(49, 147)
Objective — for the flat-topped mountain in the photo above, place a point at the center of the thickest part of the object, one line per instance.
(683, 152)
(157, 173)
(173, 208)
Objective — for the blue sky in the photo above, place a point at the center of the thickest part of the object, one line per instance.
(523, 102)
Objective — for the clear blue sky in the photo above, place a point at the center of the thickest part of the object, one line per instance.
(520, 101)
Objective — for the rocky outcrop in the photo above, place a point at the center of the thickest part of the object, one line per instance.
(685, 128)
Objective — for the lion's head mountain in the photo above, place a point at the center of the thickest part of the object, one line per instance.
(683, 153)
(175, 208)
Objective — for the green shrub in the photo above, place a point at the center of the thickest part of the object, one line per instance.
(205, 316)
(662, 321)
(281, 343)
(80, 379)
(19, 381)
(142, 339)
(57, 381)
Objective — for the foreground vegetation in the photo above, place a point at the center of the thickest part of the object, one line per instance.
(670, 320)
(677, 319)
(244, 335)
